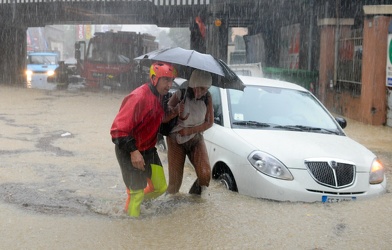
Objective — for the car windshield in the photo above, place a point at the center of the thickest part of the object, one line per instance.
(279, 108)
(42, 59)
(107, 53)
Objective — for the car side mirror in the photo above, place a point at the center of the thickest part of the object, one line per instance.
(341, 121)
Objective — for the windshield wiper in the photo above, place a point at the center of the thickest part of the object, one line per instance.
(307, 128)
(289, 127)
(252, 123)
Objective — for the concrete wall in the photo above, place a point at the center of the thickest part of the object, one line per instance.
(374, 90)
(326, 63)
(13, 55)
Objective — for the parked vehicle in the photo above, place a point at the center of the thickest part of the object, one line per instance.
(275, 140)
(40, 65)
(106, 61)
(248, 69)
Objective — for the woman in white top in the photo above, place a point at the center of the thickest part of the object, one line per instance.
(195, 115)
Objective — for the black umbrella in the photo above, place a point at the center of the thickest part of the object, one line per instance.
(187, 60)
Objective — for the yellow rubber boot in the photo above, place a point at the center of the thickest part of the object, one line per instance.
(137, 197)
(159, 182)
(148, 189)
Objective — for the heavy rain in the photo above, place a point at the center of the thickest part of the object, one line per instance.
(60, 183)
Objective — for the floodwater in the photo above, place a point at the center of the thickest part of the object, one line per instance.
(61, 188)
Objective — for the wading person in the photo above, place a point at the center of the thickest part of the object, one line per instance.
(186, 138)
(134, 133)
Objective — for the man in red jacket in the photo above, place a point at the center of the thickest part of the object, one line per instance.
(134, 133)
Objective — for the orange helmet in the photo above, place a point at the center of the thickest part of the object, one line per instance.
(162, 69)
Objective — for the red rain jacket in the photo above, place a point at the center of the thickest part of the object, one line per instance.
(137, 122)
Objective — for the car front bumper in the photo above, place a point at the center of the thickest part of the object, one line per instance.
(304, 188)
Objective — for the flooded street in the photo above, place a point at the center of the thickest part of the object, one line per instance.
(61, 188)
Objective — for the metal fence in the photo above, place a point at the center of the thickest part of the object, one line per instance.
(349, 67)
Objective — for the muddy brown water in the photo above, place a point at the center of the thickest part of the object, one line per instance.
(61, 188)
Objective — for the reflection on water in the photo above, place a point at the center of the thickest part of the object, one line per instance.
(39, 81)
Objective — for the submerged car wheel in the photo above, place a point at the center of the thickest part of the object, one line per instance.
(227, 179)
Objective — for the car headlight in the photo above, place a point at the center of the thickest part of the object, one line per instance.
(50, 73)
(269, 165)
(376, 172)
(29, 75)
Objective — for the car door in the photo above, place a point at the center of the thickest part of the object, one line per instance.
(218, 118)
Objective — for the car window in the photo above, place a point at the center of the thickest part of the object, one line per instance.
(42, 59)
(216, 103)
(278, 106)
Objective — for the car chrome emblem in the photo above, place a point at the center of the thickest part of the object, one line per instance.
(334, 164)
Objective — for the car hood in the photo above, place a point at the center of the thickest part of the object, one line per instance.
(292, 147)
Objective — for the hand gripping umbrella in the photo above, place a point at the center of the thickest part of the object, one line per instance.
(184, 60)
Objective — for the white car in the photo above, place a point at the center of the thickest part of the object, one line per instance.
(275, 140)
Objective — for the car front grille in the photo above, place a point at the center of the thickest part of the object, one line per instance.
(331, 173)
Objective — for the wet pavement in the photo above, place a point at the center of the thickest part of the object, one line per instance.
(61, 188)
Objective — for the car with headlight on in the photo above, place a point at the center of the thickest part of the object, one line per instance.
(275, 140)
(40, 65)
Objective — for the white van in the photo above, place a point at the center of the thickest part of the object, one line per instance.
(248, 69)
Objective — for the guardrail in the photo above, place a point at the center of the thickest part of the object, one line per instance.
(155, 2)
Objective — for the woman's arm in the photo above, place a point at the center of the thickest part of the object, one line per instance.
(175, 107)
